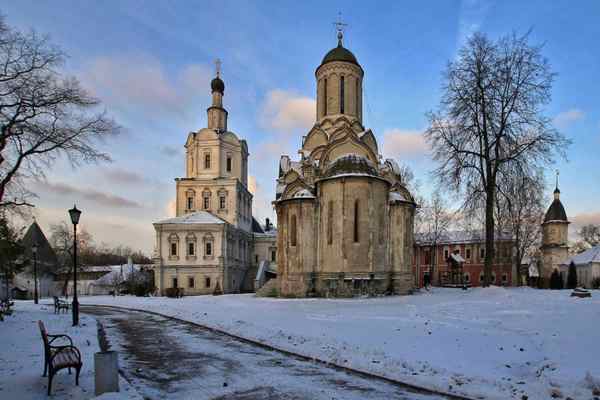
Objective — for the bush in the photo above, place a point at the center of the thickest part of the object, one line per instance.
(173, 292)
(572, 276)
(596, 283)
(556, 281)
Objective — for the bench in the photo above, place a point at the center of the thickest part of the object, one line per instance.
(59, 357)
(60, 305)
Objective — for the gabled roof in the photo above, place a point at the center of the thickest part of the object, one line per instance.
(589, 256)
(198, 217)
(45, 253)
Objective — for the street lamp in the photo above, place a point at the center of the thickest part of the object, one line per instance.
(34, 250)
(75, 214)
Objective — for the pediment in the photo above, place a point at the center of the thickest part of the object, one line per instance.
(315, 138)
(347, 144)
(295, 187)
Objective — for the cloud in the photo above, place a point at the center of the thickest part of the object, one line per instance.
(403, 143)
(261, 203)
(171, 208)
(564, 119)
(140, 81)
(121, 176)
(105, 199)
(171, 151)
(286, 112)
(579, 220)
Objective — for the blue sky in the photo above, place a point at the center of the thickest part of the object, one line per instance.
(151, 63)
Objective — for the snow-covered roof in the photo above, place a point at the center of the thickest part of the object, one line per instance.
(587, 257)
(457, 258)
(397, 196)
(198, 217)
(304, 193)
(459, 237)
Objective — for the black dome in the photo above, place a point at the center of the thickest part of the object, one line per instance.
(556, 212)
(340, 53)
(217, 85)
(351, 164)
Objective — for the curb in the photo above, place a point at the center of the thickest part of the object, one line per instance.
(364, 374)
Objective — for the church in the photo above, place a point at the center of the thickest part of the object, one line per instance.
(345, 218)
(213, 244)
(555, 236)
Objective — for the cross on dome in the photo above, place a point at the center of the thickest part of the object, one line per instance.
(218, 67)
(339, 27)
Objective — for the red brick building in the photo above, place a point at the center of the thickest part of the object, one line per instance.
(467, 264)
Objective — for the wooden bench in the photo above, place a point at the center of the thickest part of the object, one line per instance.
(59, 357)
(60, 305)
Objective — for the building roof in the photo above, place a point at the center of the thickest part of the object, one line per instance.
(351, 164)
(459, 237)
(340, 53)
(45, 254)
(589, 256)
(556, 212)
(217, 85)
(198, 217)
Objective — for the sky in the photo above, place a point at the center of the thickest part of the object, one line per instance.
(150, 63)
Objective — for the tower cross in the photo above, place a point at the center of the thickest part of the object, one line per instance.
(218, 66)
(339, 27)
(557, 173)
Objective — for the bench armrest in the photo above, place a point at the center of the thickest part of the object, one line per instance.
(52, 338)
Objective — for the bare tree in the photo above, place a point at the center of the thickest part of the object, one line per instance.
(590, 233)
(490, 119)
(43, 114)
(61, 240)
(520, 208)
(434, 222)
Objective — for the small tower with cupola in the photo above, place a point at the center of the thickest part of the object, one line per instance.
(555, 232)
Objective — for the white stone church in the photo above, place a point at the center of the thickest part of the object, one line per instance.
(213, 243)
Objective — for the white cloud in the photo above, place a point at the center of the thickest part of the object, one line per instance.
(564, 119)
(140, 81)
(171, 208)
(261, 202)
(286, 112)
(404, 143)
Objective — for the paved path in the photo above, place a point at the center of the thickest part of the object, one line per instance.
(164, 358)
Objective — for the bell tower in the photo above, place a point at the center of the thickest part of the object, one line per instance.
(555, 232)
(217, 115)
(339, 82)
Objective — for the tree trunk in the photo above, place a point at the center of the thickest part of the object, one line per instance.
(489, 234)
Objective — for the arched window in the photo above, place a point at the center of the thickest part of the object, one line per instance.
(190, 199)
(330, 222)
(173, 249)
(208, 249)
(325, 96)
(356, 222)
(293, 231)
(207, 161)
(341, 94)
(228, 162)
(206, 199)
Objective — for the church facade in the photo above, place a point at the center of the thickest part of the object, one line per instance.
(345, 218)
(209, 246)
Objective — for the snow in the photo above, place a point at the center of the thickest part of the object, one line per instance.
(22, 356)
(198, 217)
(496, 342)
(587, 257)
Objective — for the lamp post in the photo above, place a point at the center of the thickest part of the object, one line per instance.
(34, 250)
(75, 213)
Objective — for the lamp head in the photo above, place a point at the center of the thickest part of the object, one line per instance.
(74, 213)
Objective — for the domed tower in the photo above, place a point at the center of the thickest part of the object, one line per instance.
(217, 115)
(345, 219)
(339, 84)
(555, 231)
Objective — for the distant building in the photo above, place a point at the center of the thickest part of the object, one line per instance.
(213, 243)
(587, 264)
(555, 232)
(345, 218)
(458, 257)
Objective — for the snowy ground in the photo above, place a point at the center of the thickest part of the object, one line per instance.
(491, 343)
(22, 356)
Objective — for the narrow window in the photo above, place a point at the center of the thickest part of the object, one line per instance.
(207, 161)
(325, 96)
(427, 257)
(190, 203)
(228, 163)
(208, 249)
(273, 255)
(482, 253)
(174, 249)
(341, 95)
(222, 202)
(468, 253)
(191, 282)
(175, 284)
(330, 222)
(206, 202)
(256, 258)
(293, 231)
(445, 254)
(207, 282)
(356, 224)
(190, 248)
